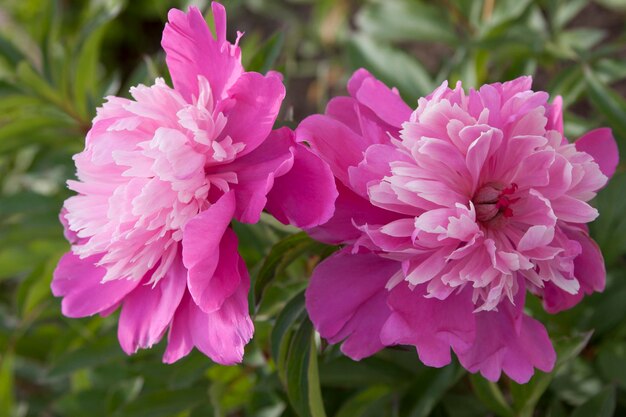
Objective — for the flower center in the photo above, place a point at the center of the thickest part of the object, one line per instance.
(493, 203)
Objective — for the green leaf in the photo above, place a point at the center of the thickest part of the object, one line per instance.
(392, 66)
(601, 405)
(293, 312)
(366, 401)
(267, 54)
(7, 396)
(86, 79)
(611, 105)
(431, 387)
(490, 395)
(165, 403)
(400, 20)
(612, 363)
(281, 255)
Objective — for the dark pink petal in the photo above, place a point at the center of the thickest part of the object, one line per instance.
(202, 246)
(192, 51)
(78, 281)
(433, 326)
(601, 145)
(346, 300)
(221, 334)
(257, 172)
(251, 109)
(338, 145)
(589, 270)
(385, 103)
(305, 196)
(180, 339)
(350, 209)
(148, 310)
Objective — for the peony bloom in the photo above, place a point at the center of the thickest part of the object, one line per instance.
(450, 214)
(161, 178)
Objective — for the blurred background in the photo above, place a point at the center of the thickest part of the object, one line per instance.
(59, 58)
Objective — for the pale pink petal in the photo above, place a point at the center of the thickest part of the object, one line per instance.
(601, 145)
(346, 300)
(78, 281)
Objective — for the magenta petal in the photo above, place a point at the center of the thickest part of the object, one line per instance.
(433, 326)
(346, 300)
(350, 209)
(601, 145)
(510, 341)
(256, 173)
(180, 340)
(78, 281)
(386, 104)
(334, 142)
(223, 334)
(192, 51)
(251, 109)
(202, 247)
(305, 196)
(148, 310)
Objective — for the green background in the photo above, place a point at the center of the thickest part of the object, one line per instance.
(59, 58)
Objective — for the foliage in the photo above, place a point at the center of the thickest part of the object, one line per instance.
(58, 58)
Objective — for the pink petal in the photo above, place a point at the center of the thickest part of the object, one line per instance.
(148, 310)
(433, 326)
(305, 196)
(256, 173)
(374, 94)
(192, 51)
(601, 145)
(251, 109)
(78, 281)
(202, 246)
(510, 341)
(221, 334)
(338, 145)
(350, 209)
(589, 270)
(346, 300)
(555, 115)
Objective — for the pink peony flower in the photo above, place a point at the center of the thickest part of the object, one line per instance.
(450, 214)
(160, 180)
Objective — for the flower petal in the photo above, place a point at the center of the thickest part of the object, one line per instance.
(346, 300)
(601, 145)
(202, 247)
(148, 310)
(78, 281)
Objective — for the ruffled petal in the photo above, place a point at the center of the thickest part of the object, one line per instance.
(433, 326)
(191, 51)
(601, 145)
(251, 109)
(148, 310)
(79, 282)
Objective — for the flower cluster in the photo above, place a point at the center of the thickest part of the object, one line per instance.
(160, 180)
(448, 215)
